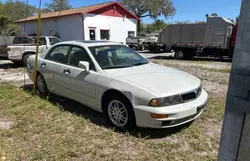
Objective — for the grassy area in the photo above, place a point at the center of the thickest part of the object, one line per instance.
(64, 130)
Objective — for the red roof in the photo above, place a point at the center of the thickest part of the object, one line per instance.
(82, 10)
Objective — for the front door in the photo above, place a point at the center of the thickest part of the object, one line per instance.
(77, 82)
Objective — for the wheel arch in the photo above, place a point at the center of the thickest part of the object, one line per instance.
(107, 93)
(28, 53)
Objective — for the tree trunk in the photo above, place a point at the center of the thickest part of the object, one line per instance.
(138, 27)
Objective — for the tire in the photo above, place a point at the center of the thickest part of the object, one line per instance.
(119, 112)
(25, 57)
(179, 54)
(41, 86)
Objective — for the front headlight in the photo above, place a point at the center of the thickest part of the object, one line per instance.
(166, 101)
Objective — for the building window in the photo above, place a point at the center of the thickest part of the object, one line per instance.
(104, 34)
(92, 34)
(131, 33)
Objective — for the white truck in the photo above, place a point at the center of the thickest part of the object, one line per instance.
(141, 42)
(19, 53)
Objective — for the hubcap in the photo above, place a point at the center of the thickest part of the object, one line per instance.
(117, 113)
(179, 54)
(40, 84)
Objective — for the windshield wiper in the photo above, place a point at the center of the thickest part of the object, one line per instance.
(141, 63)
(114, 67)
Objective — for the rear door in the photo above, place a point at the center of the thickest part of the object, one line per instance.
(50, 67)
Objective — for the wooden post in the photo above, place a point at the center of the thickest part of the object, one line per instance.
(235, 137)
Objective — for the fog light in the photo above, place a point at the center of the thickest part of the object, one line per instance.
(159, 116)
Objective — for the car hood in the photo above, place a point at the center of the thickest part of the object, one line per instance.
(164, 81)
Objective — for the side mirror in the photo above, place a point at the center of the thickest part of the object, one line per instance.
(84, 65)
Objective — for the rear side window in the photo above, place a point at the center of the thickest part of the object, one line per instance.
(23, 40)
(59, 54)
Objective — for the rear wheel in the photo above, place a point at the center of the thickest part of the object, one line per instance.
(119, 112)
(41, 86)
(179, 55)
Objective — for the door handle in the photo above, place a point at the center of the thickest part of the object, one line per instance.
(43, 65)
(66, 71)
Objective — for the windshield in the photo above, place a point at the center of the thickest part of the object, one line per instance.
(116, 56)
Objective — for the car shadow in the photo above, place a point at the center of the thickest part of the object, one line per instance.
(9, 65)
(98, 118)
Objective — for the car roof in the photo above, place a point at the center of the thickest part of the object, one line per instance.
(90, 43)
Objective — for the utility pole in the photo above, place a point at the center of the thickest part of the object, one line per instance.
(235, 137)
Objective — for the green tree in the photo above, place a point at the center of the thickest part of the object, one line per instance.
(200, 22)
(16, 10)
(7, 27)
(149, 8)
(11, 11)
(57, 5)
(159, 25)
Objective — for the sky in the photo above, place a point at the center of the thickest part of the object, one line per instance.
(186, 10)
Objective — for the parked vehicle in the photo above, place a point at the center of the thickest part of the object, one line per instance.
(136, 42)
(141, 42)
(25, 46)
(187, 40)
(114, 79)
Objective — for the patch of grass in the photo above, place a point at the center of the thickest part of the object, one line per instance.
(44, 131)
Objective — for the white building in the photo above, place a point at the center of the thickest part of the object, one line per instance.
(106, 21)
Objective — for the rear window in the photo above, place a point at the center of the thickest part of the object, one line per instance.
(24, 40)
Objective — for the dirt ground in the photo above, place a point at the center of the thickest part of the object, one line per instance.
(13, 74)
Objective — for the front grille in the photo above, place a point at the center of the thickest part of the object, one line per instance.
(192, 95)
(188, 96)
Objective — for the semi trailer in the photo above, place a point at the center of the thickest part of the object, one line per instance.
(216, 37)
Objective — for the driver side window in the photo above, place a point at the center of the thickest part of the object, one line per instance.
(78, 54)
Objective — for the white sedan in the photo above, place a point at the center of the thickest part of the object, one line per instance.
(112, 78)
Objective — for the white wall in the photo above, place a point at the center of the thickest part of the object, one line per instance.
(118, 26)
(68, 27)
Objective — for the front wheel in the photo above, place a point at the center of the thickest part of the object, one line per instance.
(119, 112)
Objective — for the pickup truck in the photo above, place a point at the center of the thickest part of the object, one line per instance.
(141, 42)
(19, 53)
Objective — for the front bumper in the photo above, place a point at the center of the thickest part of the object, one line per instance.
(177, 114)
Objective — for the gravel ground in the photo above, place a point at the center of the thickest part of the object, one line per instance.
(13, 74)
